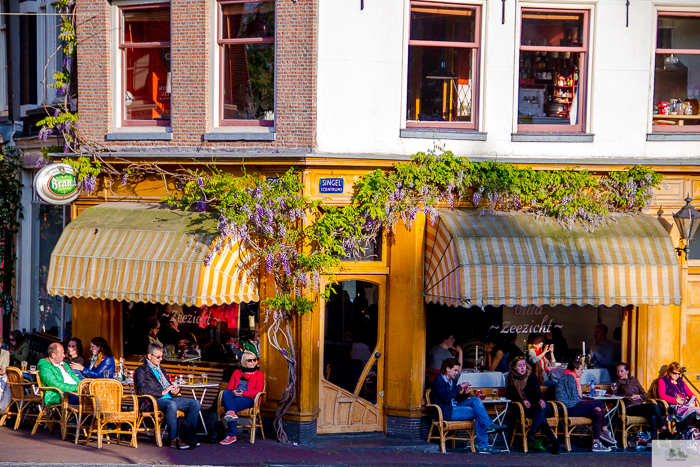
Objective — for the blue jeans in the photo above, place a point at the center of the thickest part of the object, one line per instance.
(169, 407)
(235, 403)
(473, 409)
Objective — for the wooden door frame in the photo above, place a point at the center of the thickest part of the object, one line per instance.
(381, 282)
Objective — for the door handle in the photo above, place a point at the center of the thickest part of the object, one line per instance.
(377, 355)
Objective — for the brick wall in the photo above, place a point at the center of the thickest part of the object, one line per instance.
(193, 31)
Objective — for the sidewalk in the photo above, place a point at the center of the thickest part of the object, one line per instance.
(19, 448)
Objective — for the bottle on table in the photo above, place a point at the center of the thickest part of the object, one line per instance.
(592, 386)
(120, 371)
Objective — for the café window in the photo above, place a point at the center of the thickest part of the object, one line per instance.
(246, 41)
(677, 73)
(208, 334)
(145, 55)
(443, 58)
(552, 71)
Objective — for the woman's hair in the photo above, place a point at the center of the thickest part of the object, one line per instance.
(574, 366)
(673, 367)
(152, 322)
(104, 351)
(532, 338)
(78, 345)
(627, 367)
(448, 363)
(515, 361)
(249, 354)
(17, 336)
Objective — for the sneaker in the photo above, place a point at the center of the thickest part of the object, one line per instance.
(228, 440)
(230, 416)
(599, 447)
(493, 428)
(607, 437)
(488, 450)
(177, 444)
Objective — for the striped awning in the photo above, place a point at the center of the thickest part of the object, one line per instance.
(149, 252)
(518, 259)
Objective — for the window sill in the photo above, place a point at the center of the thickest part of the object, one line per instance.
(675, 136)
(469, 135)
(552, 137)
(130, 135)
(240, 136)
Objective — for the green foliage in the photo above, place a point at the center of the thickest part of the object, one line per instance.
(10, 215)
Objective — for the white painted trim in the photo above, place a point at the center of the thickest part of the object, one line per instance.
(214, 67)
(556, 4)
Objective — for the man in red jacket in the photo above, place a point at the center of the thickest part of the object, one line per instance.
(245, 384)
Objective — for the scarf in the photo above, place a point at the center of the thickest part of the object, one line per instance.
(543, 361)
(248, 372)
(578, 383)
(517, 380)
(161, 376)
(675, 390)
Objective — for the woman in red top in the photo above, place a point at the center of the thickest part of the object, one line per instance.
(245, 384)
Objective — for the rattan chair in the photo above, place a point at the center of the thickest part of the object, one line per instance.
(108, 410)
(665, 407)
(155, 416)
(448, 430)
(523, 424)
(252, 415)
(81, 412)
(47, 412)
(18, 398)
(627, 422)
(569, 424)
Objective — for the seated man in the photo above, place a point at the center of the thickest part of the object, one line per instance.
(604, 351)
(445, 390)
(442, 351)
(54, 372)
(150, 378)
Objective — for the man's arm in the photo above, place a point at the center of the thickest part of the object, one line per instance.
(143, 388)
(51, 376)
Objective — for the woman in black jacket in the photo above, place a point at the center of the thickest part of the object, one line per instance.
(523, 385)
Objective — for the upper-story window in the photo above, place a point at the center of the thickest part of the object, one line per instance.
(677, 73)
(443, 62)
(246, 38)
(145, 54)
(49, 52)
(553, 64)
(3, 63)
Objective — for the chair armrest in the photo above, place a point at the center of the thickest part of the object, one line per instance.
(623, 410)
(554, 410)
(152, 399)
(521, 409)
(439, 411)
(560, 405)
(258, 396)
(135, 402)
(43, 389)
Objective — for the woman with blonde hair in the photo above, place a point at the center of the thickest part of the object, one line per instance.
(240, 394)
(102, 362)
(686, 412)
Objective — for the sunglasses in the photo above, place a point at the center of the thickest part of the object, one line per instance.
(675, 373)
(157, 357)
(251, 359)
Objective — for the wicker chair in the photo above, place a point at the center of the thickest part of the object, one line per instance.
(252, 415)
(569, 424)
(80, 412)
(665, 407)
(18, 399)
(627, 422)
(448, 430)
(523, 424)
(108, 410)
(47, 412)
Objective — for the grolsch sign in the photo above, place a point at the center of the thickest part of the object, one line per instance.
(57, 184)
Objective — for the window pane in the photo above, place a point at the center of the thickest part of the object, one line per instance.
(440, 81)
(549, 88)
(556, 29)
(443, 23)
(676, 80)
(249, 81)
(46, 317)
(146, 25)
(147, 83)
(248, 20)
(678, 32)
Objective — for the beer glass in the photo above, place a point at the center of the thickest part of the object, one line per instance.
(24, 366)
(205, 378)
(190, 379)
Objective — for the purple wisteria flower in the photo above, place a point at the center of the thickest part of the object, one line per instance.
(89, 184)
(125, 177)
(200, 205)
(200, 182)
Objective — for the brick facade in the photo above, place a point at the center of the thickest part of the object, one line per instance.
(193, 32)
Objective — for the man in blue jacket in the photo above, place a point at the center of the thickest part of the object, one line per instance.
(446, 390)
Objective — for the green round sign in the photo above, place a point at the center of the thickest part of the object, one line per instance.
(62, 184)
(57, 184)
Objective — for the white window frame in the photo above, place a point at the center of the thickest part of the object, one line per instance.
(48, 29)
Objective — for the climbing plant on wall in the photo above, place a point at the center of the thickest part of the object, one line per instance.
(10, 215)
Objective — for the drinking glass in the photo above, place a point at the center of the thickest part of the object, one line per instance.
(205, 378)
(190, 379)
(180, 380)
(32, 368)
(105, 374)
(494, 393)
(24, 366)
(613, 386)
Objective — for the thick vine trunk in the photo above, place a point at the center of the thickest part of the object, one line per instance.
(282, 328)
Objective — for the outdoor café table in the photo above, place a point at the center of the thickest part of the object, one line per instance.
(31, 377)
(499, 419)
(600, 375)
(486, 379)
(610, 408)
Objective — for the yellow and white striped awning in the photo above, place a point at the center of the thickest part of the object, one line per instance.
(149, 252)
(517, 259)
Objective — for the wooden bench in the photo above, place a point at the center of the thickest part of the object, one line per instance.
(174, 370)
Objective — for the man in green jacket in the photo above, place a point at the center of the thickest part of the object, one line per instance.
(55, 373)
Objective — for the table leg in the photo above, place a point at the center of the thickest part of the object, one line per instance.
(609, 414)
(499, 419)
(201, 417)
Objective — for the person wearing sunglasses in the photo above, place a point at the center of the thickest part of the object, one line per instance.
(686, 412)
(240, 393)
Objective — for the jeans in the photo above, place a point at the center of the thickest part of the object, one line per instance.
(539, 420)
(169, 407)
(473, 409)
(587, 408)
(235, 403)
(651, 412)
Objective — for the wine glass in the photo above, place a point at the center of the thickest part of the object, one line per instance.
(494, 393)
(613, 386)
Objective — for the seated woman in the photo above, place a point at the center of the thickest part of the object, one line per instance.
(635, 399)
(101, 363)
(569, 393)
(522, 385)
(244, 385)
(540, 356)
(75, 351)
(20, 351)
(673, 390)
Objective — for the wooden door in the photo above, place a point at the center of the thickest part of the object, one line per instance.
(352, 329)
